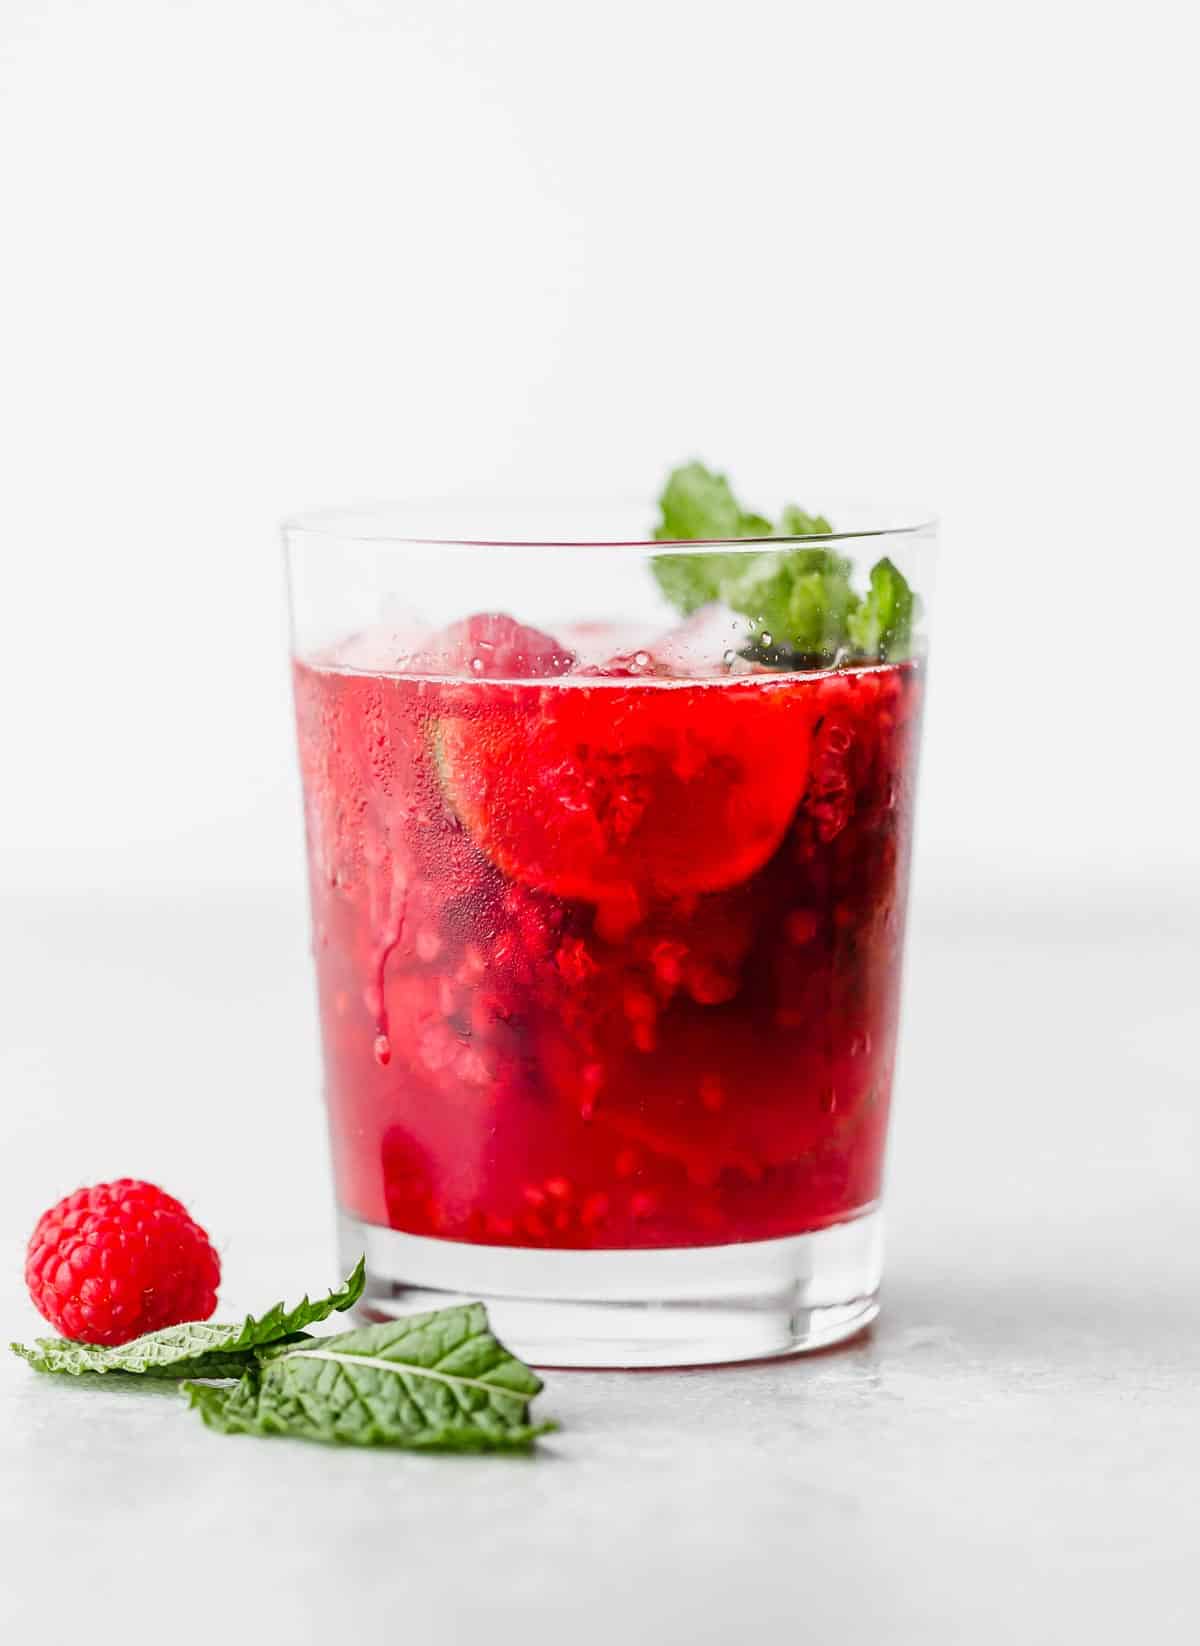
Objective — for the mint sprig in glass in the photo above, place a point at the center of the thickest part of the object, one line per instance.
(801, 603)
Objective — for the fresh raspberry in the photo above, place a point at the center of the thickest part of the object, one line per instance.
(492, 645)
(111, 1262)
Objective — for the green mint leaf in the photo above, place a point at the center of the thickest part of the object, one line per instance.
(698, 504)
(199, 1348)
(432, 1382)
(690, 581)
(798, 601)
(799, 598)
(176, 1351)
(882, 625)
(801, 605)
(796, 523)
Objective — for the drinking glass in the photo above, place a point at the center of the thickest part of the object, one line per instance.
(608, 911)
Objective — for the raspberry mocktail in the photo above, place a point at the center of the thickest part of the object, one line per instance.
(608, 907)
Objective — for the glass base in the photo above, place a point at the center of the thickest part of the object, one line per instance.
(693, 1306)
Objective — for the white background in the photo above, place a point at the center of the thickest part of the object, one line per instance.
(262, 255)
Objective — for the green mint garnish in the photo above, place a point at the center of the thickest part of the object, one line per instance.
(882, 624)
(795, 522)
(800, 603)
(697, 503)
(432, 1382)
(200, 1348)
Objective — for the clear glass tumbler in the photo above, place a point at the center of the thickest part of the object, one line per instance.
(608, 912)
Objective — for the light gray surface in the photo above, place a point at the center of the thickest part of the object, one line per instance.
(1013, 1454)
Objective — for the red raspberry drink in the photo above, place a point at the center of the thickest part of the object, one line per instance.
(608, 962)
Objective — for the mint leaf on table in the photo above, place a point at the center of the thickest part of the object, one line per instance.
(431, 1382)
(801, 604)
(882, 624)
(198, 1348)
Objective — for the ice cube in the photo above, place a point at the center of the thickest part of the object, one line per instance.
(381, 649)
(704, 645)
(596, 644)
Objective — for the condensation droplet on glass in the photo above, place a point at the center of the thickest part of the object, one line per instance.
(642, 659)
(383, 1050)
(766, 637)
(477, 664)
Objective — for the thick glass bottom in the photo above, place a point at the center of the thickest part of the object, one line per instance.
(694, 1306)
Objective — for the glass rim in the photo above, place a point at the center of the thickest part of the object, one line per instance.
(369, 523)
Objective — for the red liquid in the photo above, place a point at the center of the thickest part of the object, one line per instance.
(608, 962)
